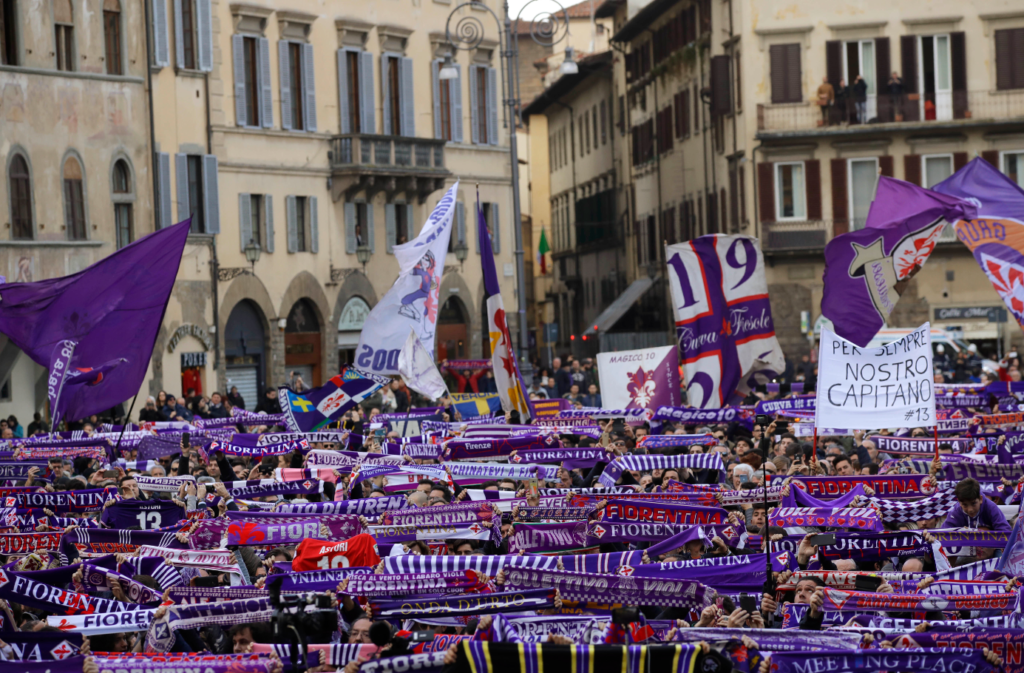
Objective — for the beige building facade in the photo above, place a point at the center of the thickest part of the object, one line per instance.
(726, 134)
(327, 135)
(75, 151)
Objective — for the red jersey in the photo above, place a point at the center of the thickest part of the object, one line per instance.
(313, 554)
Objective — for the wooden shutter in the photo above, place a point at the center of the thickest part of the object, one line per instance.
(991, 156)
(161, 41)
(435, 87)
(268, 222)
(455, 88)
(204, 34)
(474, 123)
(181, 180)
(371, 234)
(840, 198)
(211, 194)
(813, 170)
(912, 169)
(179, 35)
(314, 225)
(389, 228)
(492, 109)
(163, 167)
(367, 105)
(959, 160)
(290, 213)
(958, 61)
(883, 65)
(406, 101)
(1010, 59)
(308, 88)
(787, 82)
(385, 94)
(238, 54)
(721, 85)
(350, 228)
(696, 109)
(766, 191)
(885, 166)
(284, 76)
(345, 123)
(834, 61)
(495, 229)
(908, 58)
(266, 87)
(244, 219)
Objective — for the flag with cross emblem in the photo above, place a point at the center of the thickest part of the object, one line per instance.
(311, 410)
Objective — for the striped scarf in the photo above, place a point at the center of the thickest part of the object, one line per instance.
(531, 657)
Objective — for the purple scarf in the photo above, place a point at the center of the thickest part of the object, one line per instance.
(257, 488)
(621, 511)
(623, 589)
(886, 486)
(460, 449)
(368, 507)
(871, 661)
(547, 537)
(466, 604)
(859, 518)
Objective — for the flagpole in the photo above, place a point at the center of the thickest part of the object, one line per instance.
(124, 426)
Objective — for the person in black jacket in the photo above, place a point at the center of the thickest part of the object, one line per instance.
(860, 99)
(842, 101)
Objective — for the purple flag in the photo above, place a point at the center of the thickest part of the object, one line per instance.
(866, 270)
(645, 379)
(123, 294)
(996, 236)
(724, 322)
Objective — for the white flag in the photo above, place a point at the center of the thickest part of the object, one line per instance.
(891, 386)
(412, 300)
(417, 367)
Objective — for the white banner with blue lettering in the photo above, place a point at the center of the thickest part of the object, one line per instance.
(411, 303)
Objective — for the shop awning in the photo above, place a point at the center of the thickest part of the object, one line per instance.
(618, 308)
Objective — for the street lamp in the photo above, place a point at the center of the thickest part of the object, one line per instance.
(363, 255)
(546, 29)
(461, 252)
(569, 66)
(448, 69)
(252, 254)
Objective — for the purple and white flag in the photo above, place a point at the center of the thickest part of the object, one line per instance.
(723, 318)
(645, 379)
(867, 270)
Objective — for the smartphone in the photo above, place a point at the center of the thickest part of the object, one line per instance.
(204, 582)
(618, 426)
(761, 419)
(110, 474)
(748, 603)
(744, 478)
(532, 488)
(823, 539)
(867, 583)
(421, 637)
(186, 439)
(781, 426)
(265, 469)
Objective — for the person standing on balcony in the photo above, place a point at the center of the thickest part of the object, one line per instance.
(826, 98)
(842, 98)
(895, 95)
(860, 99)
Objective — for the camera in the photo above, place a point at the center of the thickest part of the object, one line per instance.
(299, 619)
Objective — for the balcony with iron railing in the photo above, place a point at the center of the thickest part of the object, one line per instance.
(373, 163)
(909, 112)
(810, 236)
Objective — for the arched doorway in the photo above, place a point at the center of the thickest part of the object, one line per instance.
(302, 349)
(350, 326)
(245, 352)
(452, 331)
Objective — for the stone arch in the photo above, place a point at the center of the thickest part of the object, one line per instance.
(356, 285)
(251, 288)
(305, 286)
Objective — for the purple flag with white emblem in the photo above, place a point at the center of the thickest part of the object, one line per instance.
(996, 237)
(724, 322)
(867, 270)
(644, 379)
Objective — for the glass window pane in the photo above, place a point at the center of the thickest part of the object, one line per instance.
(1013, 166)
(867, 64)
(863, 174)
(942, 63)
(937, 169)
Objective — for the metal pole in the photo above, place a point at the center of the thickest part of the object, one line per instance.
(525, 367)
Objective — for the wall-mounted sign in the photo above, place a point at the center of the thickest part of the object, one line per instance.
(990, 313)
(188, 329)
(353, 315)
(192, 360)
